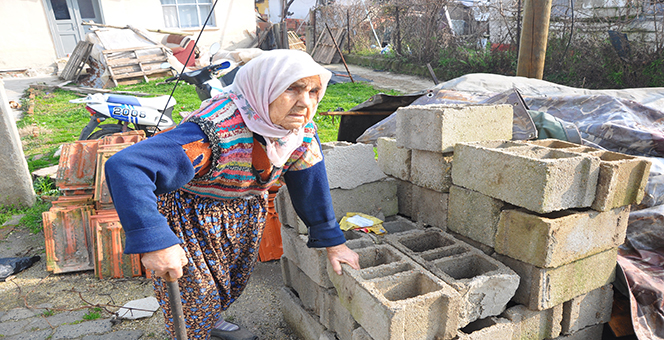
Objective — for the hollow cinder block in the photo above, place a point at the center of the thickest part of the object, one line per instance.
(438, 127)
(431, 170)
(485, 285)
(544, 288)
(307, 290)
(429, 207)
(335, 317)
(588, 333)
(392, 297)
(350, 165)
(312, 261)
(304, 323)
(474, 215)
(534, 325)
(536, 178)
(559, 238)
(586, 310)
(393, 160)
(405, 197)
(622, 178)
(398, 224)
(489, 328)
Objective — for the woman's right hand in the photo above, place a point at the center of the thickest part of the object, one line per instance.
(168, 260)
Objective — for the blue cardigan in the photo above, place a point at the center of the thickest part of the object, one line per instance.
(137, 174)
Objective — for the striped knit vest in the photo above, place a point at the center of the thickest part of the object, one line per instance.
(232, 174)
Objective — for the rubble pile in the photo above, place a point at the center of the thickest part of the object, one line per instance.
(490, 238)
(82, 230)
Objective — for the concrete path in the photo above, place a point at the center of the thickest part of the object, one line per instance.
(15, 87)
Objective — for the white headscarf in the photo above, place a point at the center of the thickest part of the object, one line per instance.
(259, 82)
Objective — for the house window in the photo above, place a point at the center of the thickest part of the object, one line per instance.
(186, 13)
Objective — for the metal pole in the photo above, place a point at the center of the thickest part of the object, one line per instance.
(532, 48)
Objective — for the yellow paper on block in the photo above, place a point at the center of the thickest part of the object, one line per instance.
(363, 222)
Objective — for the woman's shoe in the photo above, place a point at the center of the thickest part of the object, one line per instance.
(239, 334)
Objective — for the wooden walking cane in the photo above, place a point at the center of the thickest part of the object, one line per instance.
(176, 307)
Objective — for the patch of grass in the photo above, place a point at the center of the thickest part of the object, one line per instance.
(33, 216)
(93, 314)
(48, 313)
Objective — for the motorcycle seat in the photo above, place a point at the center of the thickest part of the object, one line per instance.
(153, 102)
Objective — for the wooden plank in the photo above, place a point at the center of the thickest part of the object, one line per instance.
(131, 49)
(140, 73)
(129, 62)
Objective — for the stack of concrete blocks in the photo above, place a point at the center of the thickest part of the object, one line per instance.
(555, 213)
(311, 304)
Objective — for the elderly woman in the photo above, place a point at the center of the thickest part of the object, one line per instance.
(192, 200)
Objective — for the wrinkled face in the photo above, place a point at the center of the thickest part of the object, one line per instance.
(296, 106)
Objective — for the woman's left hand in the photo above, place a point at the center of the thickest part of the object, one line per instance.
(342, 254)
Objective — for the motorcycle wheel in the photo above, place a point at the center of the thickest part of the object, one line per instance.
(100, 134)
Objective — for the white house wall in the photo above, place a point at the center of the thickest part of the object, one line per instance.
(28, 44)
(299, 8)
(26, 38)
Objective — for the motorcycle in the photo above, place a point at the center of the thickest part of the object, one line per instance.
(205, 79)
(148, 114)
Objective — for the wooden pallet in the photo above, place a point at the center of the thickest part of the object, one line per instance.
(77, 60)
(133, 65)
(294, 42)
(325, 51)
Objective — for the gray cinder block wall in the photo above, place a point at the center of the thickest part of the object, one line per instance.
(556, 290)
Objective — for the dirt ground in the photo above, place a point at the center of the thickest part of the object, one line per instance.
(258, 309)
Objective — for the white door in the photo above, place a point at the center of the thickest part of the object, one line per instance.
(65, 18)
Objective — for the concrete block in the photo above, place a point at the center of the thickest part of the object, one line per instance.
(430, 207)
(556, 239)
(393, 160)
(350, 165)
(588, 309)
(303, 323)
(543, 288)
(438, 127)
(536, 178)
(336, 317)
(392, 297)
(405, 197)
(490, 328)
(588, 333)
(307, 290)
(361, 334)
(485, 285)
(534, 325)
(371, 198)
(482, 247)
(432, 170)
(312, 261)
(358, 239)
(286, 212)
(398, 224)
(622, 178)
(474, 215)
